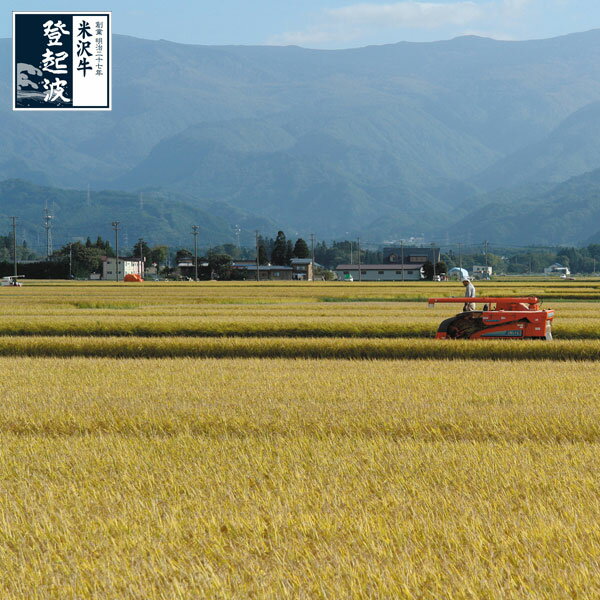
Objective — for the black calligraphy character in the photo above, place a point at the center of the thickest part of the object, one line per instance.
(84, 65)
(83, 48)
(84, 30)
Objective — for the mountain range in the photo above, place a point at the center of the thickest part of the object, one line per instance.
(441, 138)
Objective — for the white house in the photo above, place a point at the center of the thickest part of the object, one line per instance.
(127, 266)
(557, 269)
(383, 272)
(482, 272)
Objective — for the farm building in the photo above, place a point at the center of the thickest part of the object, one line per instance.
(482, 272)
(395, 255)
(300, 269)
(557, 269)
(187, 268)
(266, 272)
(399, 264)
(127, 266)
(383, 272)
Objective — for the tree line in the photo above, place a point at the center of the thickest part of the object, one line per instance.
(79, 259)
(6, 249)
(530, 260)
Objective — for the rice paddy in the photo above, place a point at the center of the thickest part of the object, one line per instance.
(212, 440)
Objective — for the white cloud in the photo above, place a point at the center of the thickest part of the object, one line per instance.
(355, 21)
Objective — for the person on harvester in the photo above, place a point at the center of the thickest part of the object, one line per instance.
(469, 293)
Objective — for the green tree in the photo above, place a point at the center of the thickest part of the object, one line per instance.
(262, 252)
(289, 252)
(230, 249)
(145, 251)
(428, 270)
(301, 249)
(105, 246)
(84, 260)
(279, 249)
(221, 266)
(440, 268)
(158, 256)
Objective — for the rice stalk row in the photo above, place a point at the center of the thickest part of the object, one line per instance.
(270, 347)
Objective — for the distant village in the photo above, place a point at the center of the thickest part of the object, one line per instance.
(282, 259)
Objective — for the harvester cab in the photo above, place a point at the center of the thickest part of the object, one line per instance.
(499, 318)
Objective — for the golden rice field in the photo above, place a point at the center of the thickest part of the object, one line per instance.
(169, 441)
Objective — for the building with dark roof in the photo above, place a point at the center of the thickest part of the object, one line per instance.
(381, 272)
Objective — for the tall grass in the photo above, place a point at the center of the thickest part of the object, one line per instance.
(192, 479)
(435, 401)
(270, 347)
(402, 324)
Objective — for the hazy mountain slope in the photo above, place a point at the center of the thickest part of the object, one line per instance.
(502, 94)
(327, 173)
(573, 148)
(159, 219)
(569, 213)
(373, 134)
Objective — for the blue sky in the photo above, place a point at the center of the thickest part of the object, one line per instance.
(333, 23)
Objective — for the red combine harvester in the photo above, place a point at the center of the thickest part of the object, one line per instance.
(500, 318)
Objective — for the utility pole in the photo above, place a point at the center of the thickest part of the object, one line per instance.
(195, 234)
(312, 253)
(351, 257)
(70, 260)
(460, 255)
(359, 269)
(115, 225)
(402, 257)
(485, 245)
(48, 227)
(237, 236)
(14, 243)
(141, 243)
(433, 258)
(257, 260)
